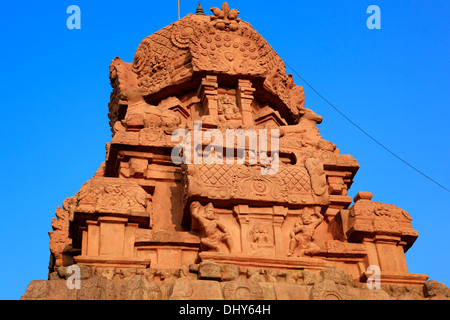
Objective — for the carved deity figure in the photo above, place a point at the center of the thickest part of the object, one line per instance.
(259, 234)
(212, 231)
(228, 109)
(303, 231)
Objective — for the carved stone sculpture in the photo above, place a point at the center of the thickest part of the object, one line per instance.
(218, 185)
(212, 231)
(303, 232)
(142, 115)
(227, 109)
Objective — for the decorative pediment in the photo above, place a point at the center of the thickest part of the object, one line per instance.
(112, 196)
(368, 218)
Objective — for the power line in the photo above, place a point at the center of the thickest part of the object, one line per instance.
(363, 131)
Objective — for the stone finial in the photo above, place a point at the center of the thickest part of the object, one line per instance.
(225, 18)
(199, 10)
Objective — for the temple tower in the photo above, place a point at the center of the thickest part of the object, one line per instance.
(216, 170)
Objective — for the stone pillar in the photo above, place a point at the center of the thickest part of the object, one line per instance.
(207, 93)
(92, 240)
(242, 212)
(109, 237)
(244, 94)
(391, 259)
(279, 215)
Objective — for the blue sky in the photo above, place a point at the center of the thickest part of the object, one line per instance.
(392, 82)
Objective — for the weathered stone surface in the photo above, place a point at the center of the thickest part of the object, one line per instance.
(436, 290)
(217, 184)
(256, 284)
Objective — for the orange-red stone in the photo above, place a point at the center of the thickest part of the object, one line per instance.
(219, 231)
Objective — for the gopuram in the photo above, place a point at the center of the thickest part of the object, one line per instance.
(218, 185)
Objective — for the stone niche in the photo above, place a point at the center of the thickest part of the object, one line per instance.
(164, 218)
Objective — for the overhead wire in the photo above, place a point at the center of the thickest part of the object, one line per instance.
(365, 132)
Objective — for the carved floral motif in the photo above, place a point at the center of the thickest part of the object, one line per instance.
(104, 196)
(225, 18)
(368, 217)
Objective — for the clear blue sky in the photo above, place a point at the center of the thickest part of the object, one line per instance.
(392, 82)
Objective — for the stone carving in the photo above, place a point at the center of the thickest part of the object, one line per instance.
(181, 35)
(98, 287)
(139, 288)
(318, 176)
(297, 98)
(162, 57)
(60, 242)
(230, 53)
(309, 121)
(97, 196)
(337, 248)
(306, 128)
(142, 115)
(259, 234)
(212, 231)
(148, 227)
(292, 184)
(434, 290)
(332, 286)
(369, 217)
(224, 18)
(256, 284)
(297, 179)
(303, 232)
(283, 86)
(242, 290)
(220, 43)
(227, 109)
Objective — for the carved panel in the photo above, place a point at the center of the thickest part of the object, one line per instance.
(242, 290)
(230, 52)
(109, 195)
(292, 184)
(260, 237)
(368, 218)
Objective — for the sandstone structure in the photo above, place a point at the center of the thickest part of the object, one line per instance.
(164, 219)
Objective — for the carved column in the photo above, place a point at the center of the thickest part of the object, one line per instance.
(207, 93)
(244, 99)
(110, 240)
(279, 214)
(91, 239)
(242, 211)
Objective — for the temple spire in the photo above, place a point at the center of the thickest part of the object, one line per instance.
(199, 10)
